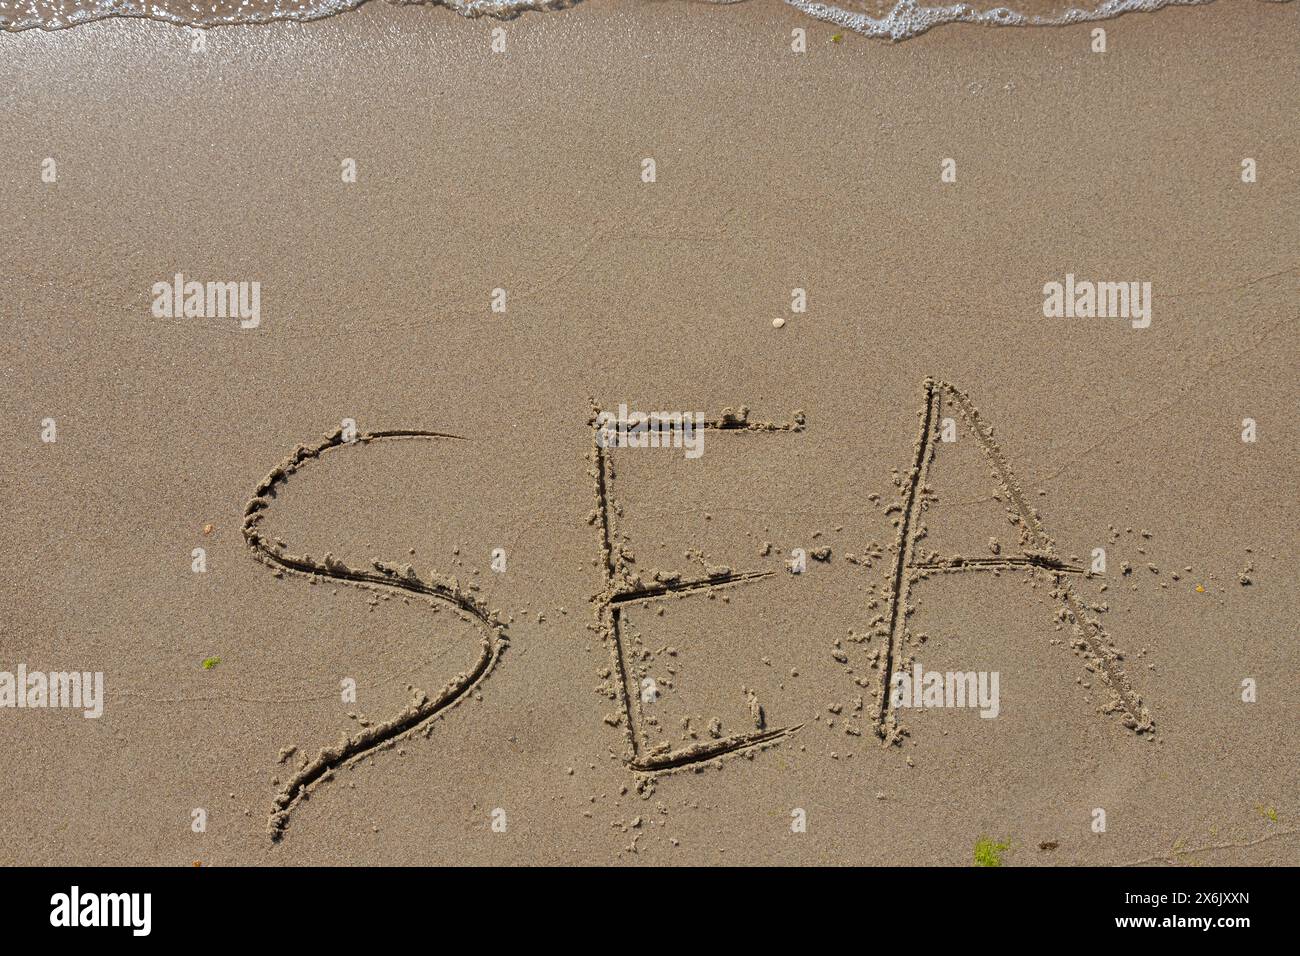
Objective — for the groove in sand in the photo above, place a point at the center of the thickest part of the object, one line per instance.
(616, 594)
(422, 709)
(1091, 639)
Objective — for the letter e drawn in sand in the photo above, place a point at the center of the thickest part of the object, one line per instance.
(638, 755)
(381, 577)
(1038, 555)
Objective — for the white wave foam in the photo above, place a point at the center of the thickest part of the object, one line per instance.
(908, 18)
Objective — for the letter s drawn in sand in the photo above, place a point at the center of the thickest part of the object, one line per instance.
(422, 709)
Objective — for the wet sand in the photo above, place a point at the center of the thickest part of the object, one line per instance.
(522, 171)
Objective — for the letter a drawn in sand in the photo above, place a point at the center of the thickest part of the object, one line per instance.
(1037, 554)
(422, 709)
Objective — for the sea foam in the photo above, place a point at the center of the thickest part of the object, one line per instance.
(907, 18)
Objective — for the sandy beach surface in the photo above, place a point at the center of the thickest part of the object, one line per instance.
(773, 171)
